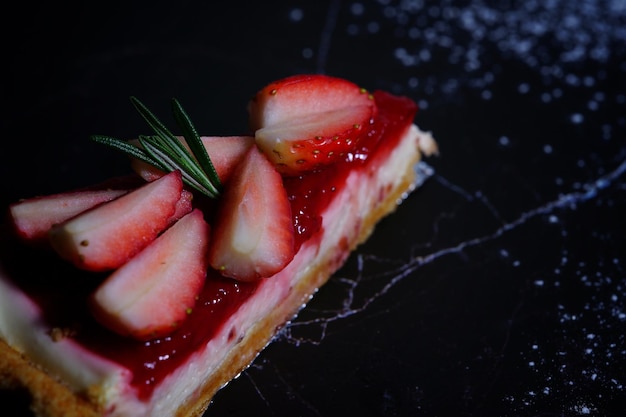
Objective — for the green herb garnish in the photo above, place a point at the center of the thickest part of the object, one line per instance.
(167, 152)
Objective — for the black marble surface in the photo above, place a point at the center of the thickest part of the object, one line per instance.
(497, 289)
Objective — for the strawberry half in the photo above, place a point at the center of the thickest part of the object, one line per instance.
(184, 205)
(106, 236)
(155, 291)
(33, 217)
(225, 153)
(253, 236)
(306, 122)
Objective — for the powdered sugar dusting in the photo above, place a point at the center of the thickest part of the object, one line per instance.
(557, 173)
(549, 37)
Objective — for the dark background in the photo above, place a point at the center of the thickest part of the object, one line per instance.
(498, 287)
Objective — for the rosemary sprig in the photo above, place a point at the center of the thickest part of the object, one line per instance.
(167, 152)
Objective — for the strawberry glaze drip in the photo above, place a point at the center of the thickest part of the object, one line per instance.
(151, 362)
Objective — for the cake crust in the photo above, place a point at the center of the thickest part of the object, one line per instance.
(48, 397)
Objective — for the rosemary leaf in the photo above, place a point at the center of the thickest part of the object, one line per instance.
(156, 125)
(171, 165)
(194, 142)
(167, 152)
(125, 147)
(192, 174)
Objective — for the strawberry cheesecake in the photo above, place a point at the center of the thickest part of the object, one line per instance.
(145, 295)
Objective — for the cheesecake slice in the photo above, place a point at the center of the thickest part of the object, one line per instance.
(73, 363)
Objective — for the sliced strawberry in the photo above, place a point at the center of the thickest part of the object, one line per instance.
(145, 170)
(225, 153)
(183, 206)
(33, 217)
(309, 121)
(253, 236)
(155, 291)
(108, 235)
(315, 140)
(300, 95)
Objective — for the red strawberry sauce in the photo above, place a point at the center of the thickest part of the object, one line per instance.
(151, 361)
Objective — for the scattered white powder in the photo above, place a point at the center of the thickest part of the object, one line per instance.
(550, 40)
(447, 49)
(296, 14)
(577, 118)
(549, 37)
